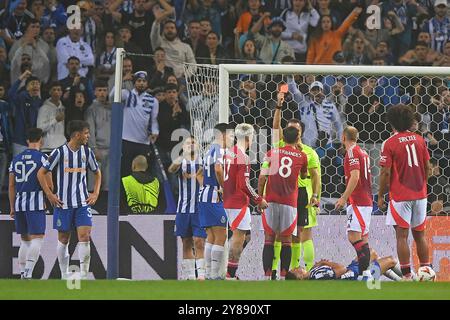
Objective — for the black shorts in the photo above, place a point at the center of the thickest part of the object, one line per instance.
(302, 211)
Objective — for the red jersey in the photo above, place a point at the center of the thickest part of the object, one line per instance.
(406, 154)
(285, 165)
(237, 189)
(358, 159)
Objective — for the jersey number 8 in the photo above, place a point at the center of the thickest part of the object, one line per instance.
(285, 169)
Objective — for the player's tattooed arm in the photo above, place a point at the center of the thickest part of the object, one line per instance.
(277, 131)
(219, 174)
(12, 194)
(200, 176)
(315, 180)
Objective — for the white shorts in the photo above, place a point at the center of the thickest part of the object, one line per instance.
(280, 218)
(358, 219)
(239, 218)
(407, 214)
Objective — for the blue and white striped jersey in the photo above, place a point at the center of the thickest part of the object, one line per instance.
(322, 273)
(140, 116)
(71, 169)
(209, 192)
(189, 189)
(29, 194)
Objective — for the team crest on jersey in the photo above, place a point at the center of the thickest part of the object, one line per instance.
(58, 223)
(223, 219)
(83, 158)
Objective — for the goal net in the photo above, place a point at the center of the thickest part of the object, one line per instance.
(350, 95)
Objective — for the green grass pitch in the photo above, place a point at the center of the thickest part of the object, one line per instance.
(221, 290)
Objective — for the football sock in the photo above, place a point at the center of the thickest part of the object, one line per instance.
(22, 255)
(276, 255)
(84, 254)
(363, 253)
(268, 257)
(232, 268)
(32, 256)
(397, 270)
(62, 252)
(217, 254)
(207, 256)
(296, 253)
(285, 257)
(392, 275)
(188, 269)
(308, 254)
(425, 264)
(406, 269)
(200, 263)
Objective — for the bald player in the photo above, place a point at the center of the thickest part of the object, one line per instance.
(357, 196)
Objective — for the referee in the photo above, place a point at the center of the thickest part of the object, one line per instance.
(308, 197)
(140, 121)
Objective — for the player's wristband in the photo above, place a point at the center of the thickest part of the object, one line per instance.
(278, 108)
(314, 195)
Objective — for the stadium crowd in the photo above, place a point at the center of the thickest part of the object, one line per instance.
(51, 75)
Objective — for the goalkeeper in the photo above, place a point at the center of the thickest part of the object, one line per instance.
(308, 195)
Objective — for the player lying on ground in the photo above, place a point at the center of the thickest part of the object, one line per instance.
(71, 202)
(212, 215)
(328, 270)
(187, 224)
(404, 169)
(27, 203)
(236, 193)
(308, 194)
(357, 196)
(280, 169)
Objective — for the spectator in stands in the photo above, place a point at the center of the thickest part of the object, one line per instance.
(141, 190)
(198, 9)
(251, 17)
(406, 11)
(298, 20)
(92, 25)
(338, 97)
(323, 7)
(439, 26)
(319, 115)
(160, 94)
(177, 52)
(129, 46)
(140, 121)
(172, 116)
(16, 22)
(76, 106)
(357, 49)
(325, 41)
(49, 36)
(365, 112)
(5, 133)
(382, 50)
(5, 67)
(159, 71)
(75, 81)
(271, 47)
(140, 21)
(98, 115)
(54, 16)
(228, 20)
(182, 91)
(216, 54)
(248, 107)
(73, 46)
(248, 52)
(444, 59)
(26, 104)
(51, 119)
(390, 27)
(34, 47)
(420, 56)
(194, 39)
(106, 60)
